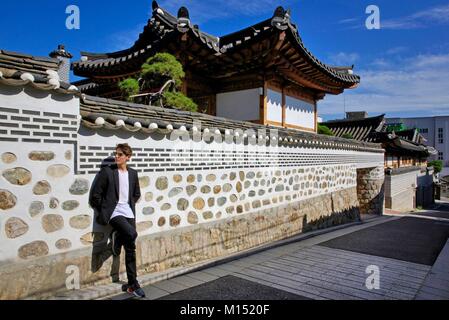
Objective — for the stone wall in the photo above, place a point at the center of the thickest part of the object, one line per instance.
(370, 190)
(45, 275)
(200, 199)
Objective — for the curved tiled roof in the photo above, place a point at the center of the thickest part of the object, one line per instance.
(163, 24)
(110, 114)
(359, 129)
(18, 69)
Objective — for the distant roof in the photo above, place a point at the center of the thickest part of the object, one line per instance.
(359, 129)
(236, 50)
(18, 69)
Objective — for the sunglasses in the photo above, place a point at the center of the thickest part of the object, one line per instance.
(119, 154)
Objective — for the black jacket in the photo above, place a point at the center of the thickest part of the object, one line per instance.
(104, 194)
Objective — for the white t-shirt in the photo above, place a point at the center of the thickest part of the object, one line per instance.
(123, 208)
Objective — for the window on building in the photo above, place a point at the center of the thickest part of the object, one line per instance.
(440, 156)
(424, 130)
(440, 135)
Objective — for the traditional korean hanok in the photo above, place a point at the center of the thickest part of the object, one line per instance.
(263, 73)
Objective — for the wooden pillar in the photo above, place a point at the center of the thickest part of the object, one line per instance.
(284, 110)
(264, 105)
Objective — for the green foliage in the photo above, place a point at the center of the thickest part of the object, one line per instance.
(347, 136)
(437, 165)
(396, 127)
(129, 87)
(179, 101)
(162, 67)
(322, 129)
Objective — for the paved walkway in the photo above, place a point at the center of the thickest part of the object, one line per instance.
(410, 252)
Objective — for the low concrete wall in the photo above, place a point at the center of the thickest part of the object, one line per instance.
(44, 276)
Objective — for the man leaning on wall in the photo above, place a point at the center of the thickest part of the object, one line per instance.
(114, 195)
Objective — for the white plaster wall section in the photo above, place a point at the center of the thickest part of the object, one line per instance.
(239, 105)
(400, 183)
(274, 106)
(299, 112)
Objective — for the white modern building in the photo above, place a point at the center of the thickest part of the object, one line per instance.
(435, 130)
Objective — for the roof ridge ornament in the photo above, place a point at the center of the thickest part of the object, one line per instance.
(154, 5)
(281, 18)
(183, 20)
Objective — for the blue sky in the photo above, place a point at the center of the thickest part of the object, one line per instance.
(404, 66)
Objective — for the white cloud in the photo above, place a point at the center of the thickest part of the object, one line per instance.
(343, 58)
(421, 19)
(418, 85)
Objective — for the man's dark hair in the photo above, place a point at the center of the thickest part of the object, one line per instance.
(126, 149)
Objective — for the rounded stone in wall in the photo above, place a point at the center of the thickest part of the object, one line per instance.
(144, 182)
(166, 206)
(232, 176)
(33, 250)
(261, 192)
(191, 178)
(162, 183)
(79, 187)
(9, 157)
(259, 175)
(242, 175)
(80, 222)
(15, 227)
(70, 205)
(148, 196)
(191, 189)
(227, 187)
(250, 175)
(279, 188)
(233, 198)
(7, 200)
(42, 188)
(41, 155)
(243, 197)
(230, 210)
(148, 211)
(205, 189)
(218, 215)
(177, 178)
(224, 177)
(68, 155)
(36, 208)
(63, 244)
(54, 203)
(198, 203)
(247, 184)
(266, 202)
(92, 237)
(174, 192)
(52, 223)
(239, 187)
(17, 176)
(160, 198)
(221, 201)
(252, 193)
(239, 209)
(211, 202)
(208, 215)
(192, 218)
(58, 171)
(217, 189)
(247, 206)
(183, 204)
(256, 204)
(256, 183)
(161, 222)
(211, 178)
(175, 220)
(199, 178)
(144, 226)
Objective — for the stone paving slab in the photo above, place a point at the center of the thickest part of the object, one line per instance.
(436, 284)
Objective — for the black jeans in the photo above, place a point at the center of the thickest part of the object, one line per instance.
(126, 236)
